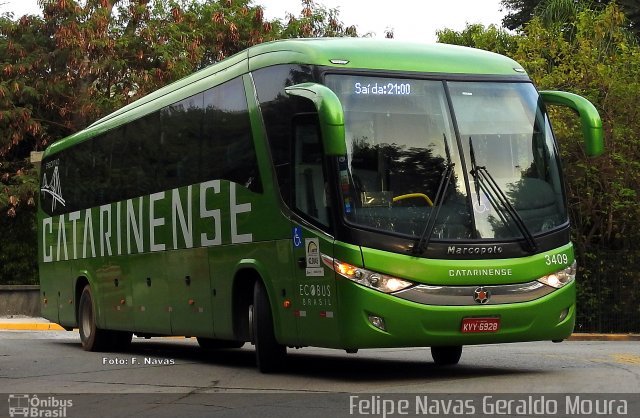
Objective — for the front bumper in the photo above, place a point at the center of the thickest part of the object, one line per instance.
(412, 324)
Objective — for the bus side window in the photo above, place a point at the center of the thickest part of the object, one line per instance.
(276, 107)
(309, 181)
(180, 142)
(227, 150)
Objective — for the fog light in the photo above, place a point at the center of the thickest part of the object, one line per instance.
(563, 314)
(377, 322)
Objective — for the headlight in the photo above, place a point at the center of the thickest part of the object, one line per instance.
(560, 278)
(372, 279)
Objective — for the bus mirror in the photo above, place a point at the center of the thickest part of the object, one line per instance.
(330, 114)
(589, 117)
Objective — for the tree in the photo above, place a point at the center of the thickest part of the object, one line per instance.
(81, 61)
(559, 12)
(476, 35)
(522, 11)
(601, 64)
(315, 21)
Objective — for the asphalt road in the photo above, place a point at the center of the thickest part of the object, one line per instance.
(172, 376)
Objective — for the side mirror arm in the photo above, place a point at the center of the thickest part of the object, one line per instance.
(330, 114)
(589, 117)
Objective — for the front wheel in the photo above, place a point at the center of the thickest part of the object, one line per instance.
(446, 356)
(270, 355)
(91, 337)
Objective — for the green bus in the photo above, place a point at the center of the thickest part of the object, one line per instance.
(340, 193)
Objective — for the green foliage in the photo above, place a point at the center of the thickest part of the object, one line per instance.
(315, 21)
(560, 13)
(591, 53)
(521, 12)
(18, 183)
(19, 249)
(82, 60)
(18, 244)
(491, 38)
(602, 64)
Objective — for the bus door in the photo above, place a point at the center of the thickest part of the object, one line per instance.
(315, 295)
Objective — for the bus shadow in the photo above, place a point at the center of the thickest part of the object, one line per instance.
(356, 368)
(332, 365)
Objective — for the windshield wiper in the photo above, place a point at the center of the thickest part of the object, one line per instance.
(484, 181)
(423, 242)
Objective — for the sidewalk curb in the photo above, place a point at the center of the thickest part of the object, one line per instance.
(603, 337)
(49, 326)
(17, 326)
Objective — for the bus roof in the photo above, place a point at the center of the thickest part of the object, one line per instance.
(344, 53)
(383, 54)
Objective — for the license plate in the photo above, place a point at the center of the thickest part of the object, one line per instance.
(472, 325)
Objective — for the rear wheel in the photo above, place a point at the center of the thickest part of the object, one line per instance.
(446, 356)
(91, 337)
(270, 355)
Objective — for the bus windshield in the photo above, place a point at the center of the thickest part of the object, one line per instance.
(404, 136)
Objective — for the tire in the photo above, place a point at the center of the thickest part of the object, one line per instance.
(215, 344)
(446, 356)
(270, 356)
(91, 337)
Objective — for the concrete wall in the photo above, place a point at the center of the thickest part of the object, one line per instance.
(20, 300)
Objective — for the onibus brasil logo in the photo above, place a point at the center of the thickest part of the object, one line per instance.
(53, 187)
(33, 406)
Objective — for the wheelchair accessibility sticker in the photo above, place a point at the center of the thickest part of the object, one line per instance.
(297, 237)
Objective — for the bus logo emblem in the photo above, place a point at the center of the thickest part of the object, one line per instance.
(53, 188)
(481, 295)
